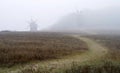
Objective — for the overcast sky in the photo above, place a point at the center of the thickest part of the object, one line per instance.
(15, 14)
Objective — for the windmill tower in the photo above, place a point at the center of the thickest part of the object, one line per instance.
(33, 26)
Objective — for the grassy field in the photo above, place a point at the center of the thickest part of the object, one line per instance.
(109, 63)
(112, 42)
(65, 64)
(24, 47)
(25, 52)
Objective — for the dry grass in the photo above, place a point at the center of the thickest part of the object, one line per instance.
(112, 42)
(108, 64)
(24, 47)
(99, 67)
(67, 65)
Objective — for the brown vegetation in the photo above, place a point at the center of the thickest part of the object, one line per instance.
(98, 67)
(112, 42)
(23, 47)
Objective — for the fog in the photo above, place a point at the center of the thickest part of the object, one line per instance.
(15, 15)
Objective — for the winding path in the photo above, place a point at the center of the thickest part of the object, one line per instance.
(96, 51)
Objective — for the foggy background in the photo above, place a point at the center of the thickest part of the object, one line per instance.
(16, 14)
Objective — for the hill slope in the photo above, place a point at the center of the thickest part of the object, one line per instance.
(89, 19)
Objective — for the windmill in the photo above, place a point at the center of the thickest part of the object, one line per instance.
(33, 25)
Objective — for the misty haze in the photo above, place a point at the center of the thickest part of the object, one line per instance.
(59, 36)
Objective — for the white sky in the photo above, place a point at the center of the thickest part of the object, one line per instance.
(15, 14)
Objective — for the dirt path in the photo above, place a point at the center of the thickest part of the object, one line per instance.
(96, 51)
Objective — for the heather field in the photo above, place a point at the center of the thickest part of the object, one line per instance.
(24, 47)
(112, 42)
(43, 52)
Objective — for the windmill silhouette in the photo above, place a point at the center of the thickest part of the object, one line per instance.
(33, 25)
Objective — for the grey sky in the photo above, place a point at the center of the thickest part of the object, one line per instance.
(15, 14)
